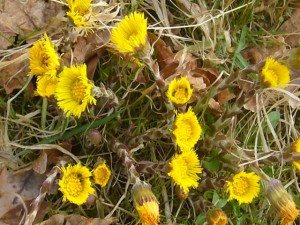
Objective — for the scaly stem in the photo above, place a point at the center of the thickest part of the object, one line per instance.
(44, 112)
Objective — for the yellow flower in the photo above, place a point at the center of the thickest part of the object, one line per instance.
(184, 169)
(46, 86)
(282, 202)
(101, 174)
(80, 12)
(74, 90)
(180, 91)
(129, 36)
(43, 58)
(275, 73)
(145, 203)
(243, 187)
(296, 148)
(75, 184)
(217, 217)
(187, 130)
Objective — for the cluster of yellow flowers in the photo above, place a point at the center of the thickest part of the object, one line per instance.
(71, 87)
(184, 166)
(76, 185)
(74, 93)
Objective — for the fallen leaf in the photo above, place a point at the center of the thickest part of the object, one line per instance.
(60, 219)
(18, 211)
(292, 26)
(225, 96)
(24, 17)
(40, 164)
(25, 184)
(13, 71)
(214, 107)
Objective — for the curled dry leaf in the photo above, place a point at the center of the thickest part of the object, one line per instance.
(25, 184)
(40, 164)
(292, 26)
(13, 71)
(88, 50)
(224, 96)
(60, 219)
(24, 17)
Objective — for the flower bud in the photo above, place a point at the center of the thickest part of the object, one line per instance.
(145, 203)
(282, 202)
(216, 217)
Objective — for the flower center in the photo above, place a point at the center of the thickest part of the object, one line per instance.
(74, 186)
(78, 91)
(50, 89)
(273, 78)
(241, 186)
(180, 93)
(186, 130)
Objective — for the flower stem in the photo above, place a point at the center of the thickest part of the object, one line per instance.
(44, 112)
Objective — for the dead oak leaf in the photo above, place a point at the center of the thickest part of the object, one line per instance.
(26, 184)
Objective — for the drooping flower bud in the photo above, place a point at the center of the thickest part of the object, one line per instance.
(282, 202)
(216, 217)
(145, 203)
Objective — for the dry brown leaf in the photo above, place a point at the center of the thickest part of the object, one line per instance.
(214, 107)
(24, 17)
(60, 219)
(10, 216)
(40, 164)
(88, 50)
(224, 96)
(256, 55)
(292, 26)
(12, 74)
(25, 183)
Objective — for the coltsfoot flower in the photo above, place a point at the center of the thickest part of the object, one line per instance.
(296, 148)
(46, 86)
(130, 34)
(180, 91)
(101, 174)
(145, 203)
(75, 184)
(43, 58)
(80, 12)
(282, 202)
(184, 169)
(74, 90)
(275, 73)
(243, 187)
(217, 217)
(187, 130)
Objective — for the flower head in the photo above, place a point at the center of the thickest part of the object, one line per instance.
(101, 174)
(43, 58)
(184, 169)
(243, 187)
(46, 86)
(296, 148)
(129, 36)
(275, 73)
(74, 90)
(282, 202)
(180, 91)
(75, 184)
(80, 12)
(145, 203)
(187, 130)
(217, 217)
